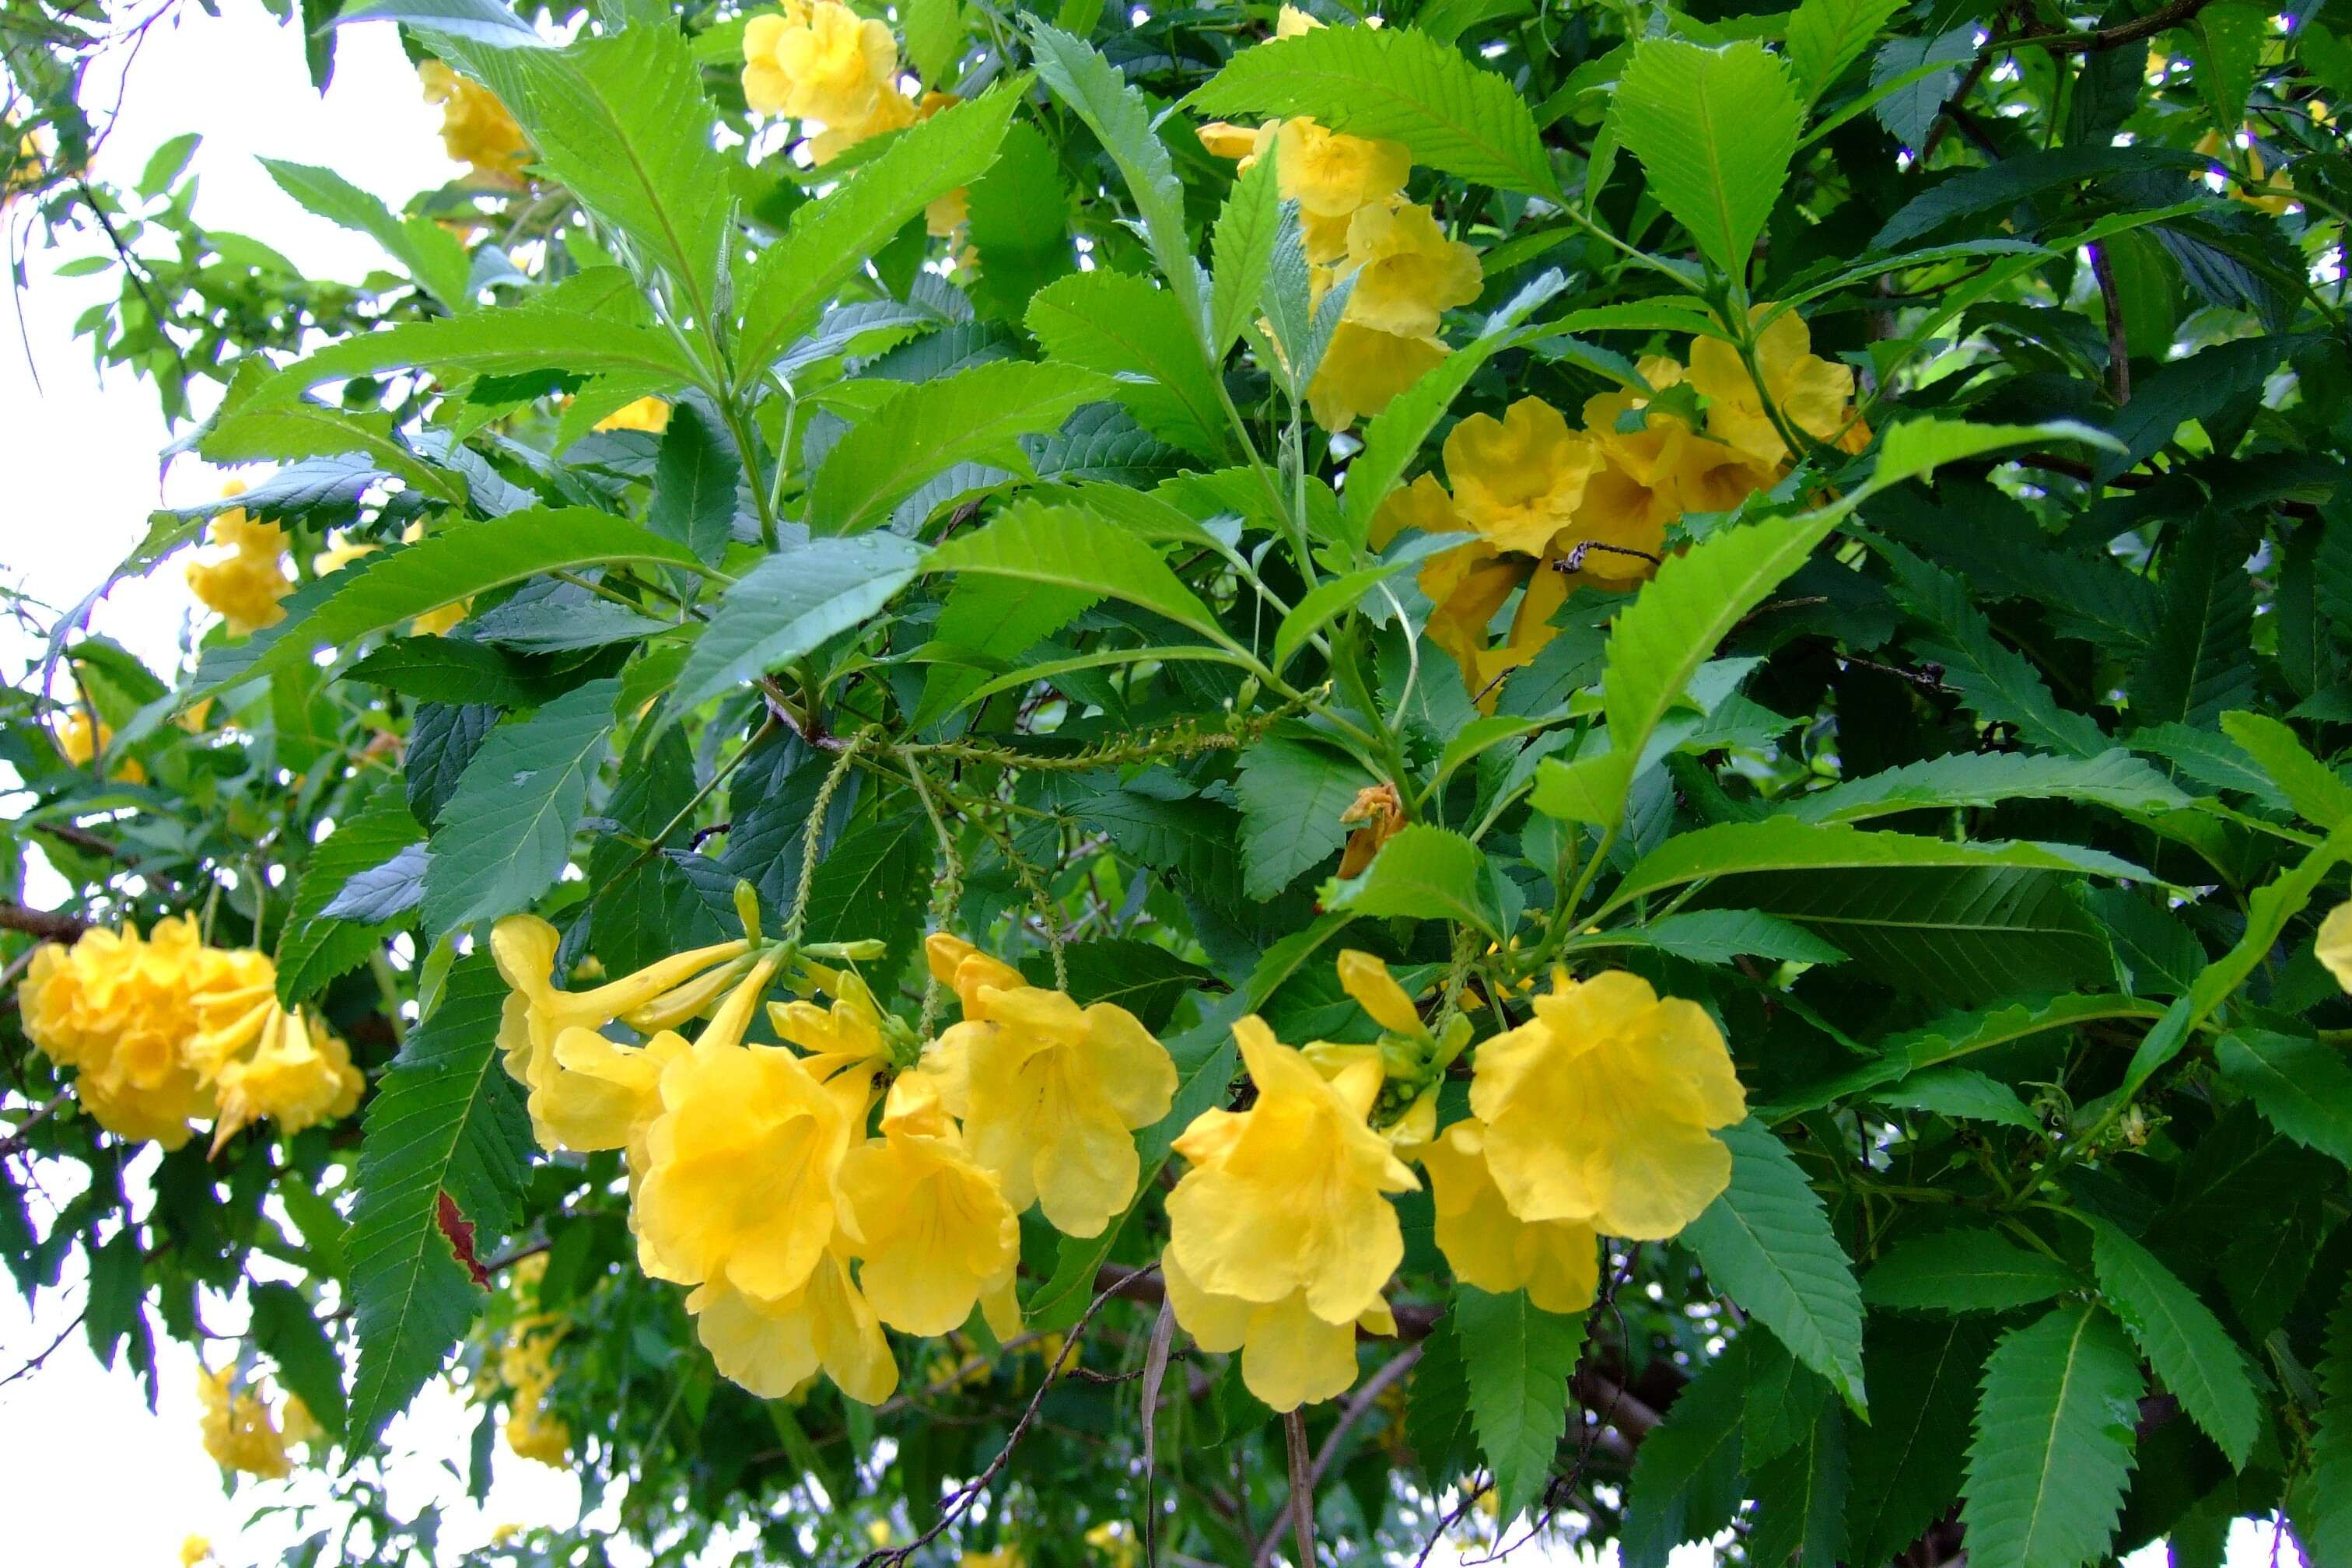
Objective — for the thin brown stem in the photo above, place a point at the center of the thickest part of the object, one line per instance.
(1302, 1486)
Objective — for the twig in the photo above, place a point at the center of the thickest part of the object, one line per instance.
(46, 924)
(2118, 344)
(34, 1365)
(2115, 38)
(1302, 1486)
(15, 1139)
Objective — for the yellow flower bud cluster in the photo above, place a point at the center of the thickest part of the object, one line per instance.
(526, 1368)
(1594, 1117)
(475, 128)
(1356, 223)
(754, 1177)
(1551, 507)
(242, 576)
(241, 1432)
(164, 1030)
(79, 738)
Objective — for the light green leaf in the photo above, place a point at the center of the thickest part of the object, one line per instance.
(1069, 547)
(1122, 326)
(1766, 1242)
(1784, 844)
(430, 253)
(1718, 936)
(1714, 129)
(1917, 448)
(446, 1123)
(2310, 786)
(2301, 1088)
(1292, 796)
(1398, 85)
(935, 32)
(1827, 36)
(696, 473)
(1518, 1388)
(486, 21)
(1964, 1270)
(786, 606)
(926, 430)
(262, 427)
(1324, 602)
(1427, 873)
(1242, 244)
(985, 624)
(1018, 216)
(512, 342)
(2114, 779)
(2053, 1442)
(506, 835)
(313, 949)
(2192, 1353)
(1963, 1094)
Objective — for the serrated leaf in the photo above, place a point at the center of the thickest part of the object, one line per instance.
(1019, 221)
(787, 605)
(2192, 1352)
(1801, 1497)
(2301, 1088)
(1718, 936)
(695, 474)
(1827, 36)
(1995, 680)
(1437, 1405)
(1962, 1094)
(2114, 779)
(486, 21)
(1292, 797)
(985, 624)
(2196, 668)
(1715, 129)
(1916, 448)
(2053, 1442)
(874, 883)
(1397, 85)
(1784, 844)
(1518, 1388)
(1686, 1482)
(1964, 1270)
(1907, 1471)
(1123, 327)
(976, 413)
(1427, 873)
(262, 425)
(432, 256)
(1393, 438)
(1766, 1242)
(1243, 245)
(283, 1325)
(506, 835)
(384, 892)
(2308, 785)
(442, 739)
(445, 1120)
(1070, 547)
(452, 669)
(1126, 971)
(935, 32)
(313, 947)
(2322, 1501)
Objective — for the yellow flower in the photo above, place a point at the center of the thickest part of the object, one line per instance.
(79, 740)
(846, 1037)
(1406, 271)
(502, 1533)
(245, 576)
(1002, 1557)
(2334, 944)
(1600, 1109)
(742, 1164)
(608, 1094)
(1555, 1261)
(237, 1431)
(301, 1426)
(537, 1014)
(1048, 1093)
(893, 111)
(774, 1347)
(193, 1550)
(2279, 191)
(1290, 22)
(1812, 394)
(475, 128)
(1290, 1196)
(536, 1433)
(1375, 990)
(650, 415)
(938, 1234)
(1290, 1356)
(821, 62)
(1364, 369)
(1331, 174)
(340, 552)
(1225, 140)
(1519, 479)
(295, 1072)
(965, 969)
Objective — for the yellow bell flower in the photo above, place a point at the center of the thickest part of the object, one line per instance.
(608, 1094)
(1812, 394)
(741, 1164)
(821, 61)
(1407, 271)
(245, 575)
(1048, 1093)
(193, 1550)
(893, 111)
(295, 1072)
(938, 1234)
(650, 415)
(475, 128)
(1331, 174)
(2333, 946)
(1519, 479)
(536, 1013)
(1225, 140)
(1290, 1196)
(1600, 1109)
(1555, 1261)
(1290, 1355)
(79, 740)
(965, 969)
(846, 1037)
(340, 552)
(237, 1426)
(774, 1347)
(1363, 370)
(1367, 980)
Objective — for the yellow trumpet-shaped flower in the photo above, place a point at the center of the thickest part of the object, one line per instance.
(1364, 369)
(1331, 173)
(244, 575)
(774, 1347)
(1290, 1355)
(193, 1550)
(938, 1235)
(2334, 944)
(608, 1094)
(1812, 394)
(1555, 1261)
(1519, 479)
(1291, 1196)
(1290, 22)
(1048, 1093)
(536, 1012)
(844, 1038)
(1600, 1108)
(740, 1162)
(296, 1073)
(1407, 271)
(475, 128)
(238, 1429)
(965, 969)
(80, 739)
(1375, 990)
(820, 61)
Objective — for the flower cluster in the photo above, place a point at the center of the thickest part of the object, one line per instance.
(475, 128)
(1550, 507)
(1595, 1117)
(527, 1372)
(80, 738)
(759, 1176)
(1356, 225)
(164, 1030)
(244, 576)
(240, 1431)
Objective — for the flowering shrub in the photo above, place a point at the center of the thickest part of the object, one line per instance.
(1041, 787)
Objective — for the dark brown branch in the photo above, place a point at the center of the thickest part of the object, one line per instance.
(83, 839)
(2157, 21)
(2118, 342)
(48, 925)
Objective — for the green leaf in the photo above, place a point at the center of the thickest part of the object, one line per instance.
(986, 625)
(972, 416)
(450, 563)
(1958, 1037)
(1714, 129)
(430, 253)
(313, 949)
(2195, 669)
(2322, 1501)
(1427, 873)
(1686, 1482)
(1124, 327)
(2301, 1088)
(262, 427)
(2192, 1353)
(1122, 121)
(1518, 1388)
(452, 669)
(1069, 547)
(2053, 1442)
(1995, 680)
(1907, 1471)
(1324, 602)
(1242, 244)
(447, 1122)
(1963, 1094)
(1916, 448)
(1964, 1270)
(512, 342)
(873, 885)
(832, 237)
(1019, 221)
(695, 474)
(1767, 1243)
(1126, 971)
(786, 606)
(2213, 761)
(1397, 85)
(1292, 796)
(1825, 37)
(1801, 1497)
(2114, 779)
(1393, 438)
(1718, 936)
(486, 21)
(283, 1326)
(1437, 1409)
(506, 835)
(1785, 844)
(2310, 786)
(935, 31)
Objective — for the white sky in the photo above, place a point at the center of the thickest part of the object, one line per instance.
(82, 475)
